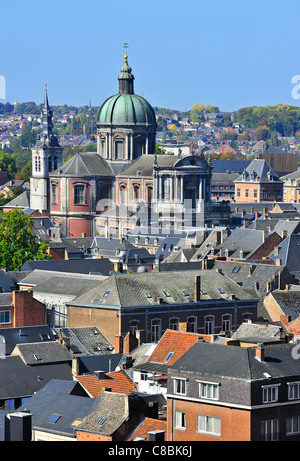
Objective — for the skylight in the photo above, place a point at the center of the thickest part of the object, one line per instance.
(105, 294)
(236, 269)
(54, 418)
(166, 293)
(37, 357)
(101, 421)
(170, 354)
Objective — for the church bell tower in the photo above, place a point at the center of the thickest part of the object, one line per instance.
(46, 158)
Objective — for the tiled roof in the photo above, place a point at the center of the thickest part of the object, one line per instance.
(145, 426)
(117, 381)
(174, 341)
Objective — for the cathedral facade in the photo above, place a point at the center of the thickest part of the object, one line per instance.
(125, 183)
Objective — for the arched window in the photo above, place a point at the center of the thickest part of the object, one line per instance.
(226, 322)
(209, 324)
(54, 193)
(79, 192)
(149, 194)
(155, 330)
(136, 192)
(122, 194)
(192, 324)
(173, 323)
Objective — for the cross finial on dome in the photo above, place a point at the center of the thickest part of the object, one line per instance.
(125, 46)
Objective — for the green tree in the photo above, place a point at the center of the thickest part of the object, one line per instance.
(8, 163)
(17, 242)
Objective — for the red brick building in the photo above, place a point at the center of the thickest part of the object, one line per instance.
(258, 183)
(20, 309)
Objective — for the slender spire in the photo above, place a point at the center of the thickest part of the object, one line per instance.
(46, 136)
(126, 78)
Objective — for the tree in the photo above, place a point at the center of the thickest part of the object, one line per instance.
(8, 163)
(17, 242)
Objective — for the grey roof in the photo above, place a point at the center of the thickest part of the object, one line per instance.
(44, 353)
(67, 286)
(21, 201)
(84, 164)
(6, 282)
(86, 340)
(144, 289)
(289, 302)
(216, 359)
(5, 299)
(259, 171)
(143, 166)
(40, 277)
(57, 398)
(260, 331)
(113, 407)
(101, 266)
(240, 239)
(17, 379)
(105, 362)
(288, 253)
(235, 166)
(32, 334)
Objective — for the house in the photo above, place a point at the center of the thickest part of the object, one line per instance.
(153, 302)
(284, 306)
(258, 183)
(116, 416)
(53, 289)
(291, 187)
(57, 409)
(218, 392)
(151, 376)
(20, 309)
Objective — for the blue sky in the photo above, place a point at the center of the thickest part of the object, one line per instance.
(230, 54)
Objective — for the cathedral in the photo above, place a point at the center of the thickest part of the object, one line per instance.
(125, 183)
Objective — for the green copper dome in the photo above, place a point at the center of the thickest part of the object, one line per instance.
(126, 108)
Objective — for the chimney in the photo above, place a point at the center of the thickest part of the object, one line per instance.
(118, 344)
(17, 427)
(197, 285)
(259, 352)
(140, 336)
(278, 262)
(183, 326)
(75, 366)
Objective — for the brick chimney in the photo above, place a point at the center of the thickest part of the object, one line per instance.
(183, 326)
(260, 352)
(118, 344)
(197, 286)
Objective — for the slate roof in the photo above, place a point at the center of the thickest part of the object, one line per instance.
(143, 165)
(21, 201)
(87, 364)
(146, 425)
(111, 406)
(25, 335)
(43, 353)
(117, 381)
(259, 171)
(144, 289)
(86, 266)
(6, 282)
(84, 164)
(238, 362)
(17, 379)
(258, 331)
(86, 340)
(288, 253)
(57, 398)
(247, 240)
(67, 286)
(289, 302)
